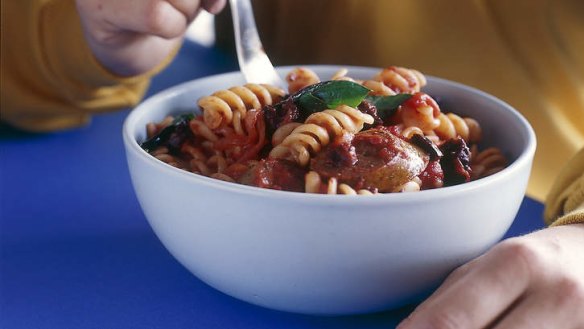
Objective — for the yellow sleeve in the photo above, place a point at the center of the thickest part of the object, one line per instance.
(565, 202)
(50, 79)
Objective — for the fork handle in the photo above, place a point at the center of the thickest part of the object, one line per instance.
(253, 61)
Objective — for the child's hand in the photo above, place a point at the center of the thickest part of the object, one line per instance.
(130, 37)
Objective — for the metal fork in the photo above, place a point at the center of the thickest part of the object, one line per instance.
(253, 61)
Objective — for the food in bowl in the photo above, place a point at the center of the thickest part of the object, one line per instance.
(327, 254)
(340, 136)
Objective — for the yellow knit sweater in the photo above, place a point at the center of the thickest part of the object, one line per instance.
(527, 52)
(50, 79)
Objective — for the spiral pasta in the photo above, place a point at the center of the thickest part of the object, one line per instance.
(162, 154)
(199, 128)
(314, 184)
(342, 75)
(216, 149)
(153, 128)
(401, 80)
(389, 81)
(201, 163)
(420, 111)
(411, 186)
(452, 125)
(409, 132)
(283, 131)
(300, 78)
(486, 162)
(257, 135)
(317, 131)
(228, 107)
(303, 140)
(378, 88)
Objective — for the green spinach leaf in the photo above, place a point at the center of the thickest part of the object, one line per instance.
(172, 135)
(330, 94)
(387, 105)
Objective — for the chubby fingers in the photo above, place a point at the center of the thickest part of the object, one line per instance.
(475, 295)
(213, 6)
(167, 19)
(107, 21)
(191, 8)
(188, 8)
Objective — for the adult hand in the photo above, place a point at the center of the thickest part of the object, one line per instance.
(533, 281)
(130, 37)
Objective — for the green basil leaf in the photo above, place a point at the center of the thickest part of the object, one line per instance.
(387, 105)
(311, 104)
(330, 94)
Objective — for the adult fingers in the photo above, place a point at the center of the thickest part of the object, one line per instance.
(478, 296)
(556, 305)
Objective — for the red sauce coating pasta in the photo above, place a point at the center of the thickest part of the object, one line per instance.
(260, 136)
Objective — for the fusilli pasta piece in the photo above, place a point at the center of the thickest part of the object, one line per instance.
(486, 162)
(409, 132)
(300, 78)
(314, 183)
(154, 128)
(342, 75)
(452, 125)
(228, 107)
(222, 177)
(412, 186)
(283, 131)
(162, 154)
(378, 88)
(420, 111)
(317, 131)
(199, 128)
(401, 80)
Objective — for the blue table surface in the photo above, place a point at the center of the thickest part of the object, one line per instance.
(76, 250)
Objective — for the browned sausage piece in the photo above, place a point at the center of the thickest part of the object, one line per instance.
(274, 174)
(372, 159)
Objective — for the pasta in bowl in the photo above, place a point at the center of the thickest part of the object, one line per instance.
(218, 164)
(341, 136)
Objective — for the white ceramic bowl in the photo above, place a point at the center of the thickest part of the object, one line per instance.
(327, 254)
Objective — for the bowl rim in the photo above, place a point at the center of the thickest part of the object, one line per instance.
(131, 145)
